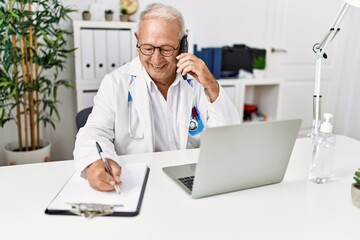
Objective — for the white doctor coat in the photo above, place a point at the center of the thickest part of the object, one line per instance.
(109, 123)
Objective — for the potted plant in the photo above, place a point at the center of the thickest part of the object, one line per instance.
(33, 50)
(355, 189)
(109, 15)
(124, 17)
(86, 15)
(259, 64)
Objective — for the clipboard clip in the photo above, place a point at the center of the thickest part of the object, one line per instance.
(91, 210)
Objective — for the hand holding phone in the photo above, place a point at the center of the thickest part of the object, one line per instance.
(184, 49)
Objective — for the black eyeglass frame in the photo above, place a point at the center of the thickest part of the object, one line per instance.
(154, 48)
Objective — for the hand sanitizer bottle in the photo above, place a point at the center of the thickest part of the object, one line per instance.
(323, 153)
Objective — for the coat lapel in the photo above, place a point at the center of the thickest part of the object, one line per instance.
(141, 102)
(185, 105)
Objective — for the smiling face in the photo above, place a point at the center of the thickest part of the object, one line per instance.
(159, 32)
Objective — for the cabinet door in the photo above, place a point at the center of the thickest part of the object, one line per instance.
(88, 98)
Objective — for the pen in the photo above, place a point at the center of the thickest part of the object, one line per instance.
(107, 166)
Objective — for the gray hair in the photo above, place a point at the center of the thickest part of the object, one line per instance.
(159, 10)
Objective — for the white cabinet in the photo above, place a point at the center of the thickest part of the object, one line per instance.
(101, 48)
(265, 93)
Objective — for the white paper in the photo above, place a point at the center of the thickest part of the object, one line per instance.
(78, 190)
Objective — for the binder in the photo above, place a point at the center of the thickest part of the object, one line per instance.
(100, 54)
(77, 197)
(212, 57)
(216, 64)
(205, 55)
(125, 46)
(87, 54)
(112, 48)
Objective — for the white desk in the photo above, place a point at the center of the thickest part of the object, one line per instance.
(293, 209)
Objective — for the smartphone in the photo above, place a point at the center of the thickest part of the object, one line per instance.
(184, 49)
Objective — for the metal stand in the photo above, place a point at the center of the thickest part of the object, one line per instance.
(319, 49)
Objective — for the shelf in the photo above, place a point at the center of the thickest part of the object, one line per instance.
(104, 24)
(265, 93)
(101, 47)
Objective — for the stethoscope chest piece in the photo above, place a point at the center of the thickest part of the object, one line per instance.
(193, 124)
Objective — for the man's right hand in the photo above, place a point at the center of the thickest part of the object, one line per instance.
(101, 180)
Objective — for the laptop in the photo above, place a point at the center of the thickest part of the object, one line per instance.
(238, 157)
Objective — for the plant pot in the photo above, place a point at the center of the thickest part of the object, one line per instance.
(124, 18)
(258, 73)
(108, 17)
(86, 16)
(355, 194)
(35, 156)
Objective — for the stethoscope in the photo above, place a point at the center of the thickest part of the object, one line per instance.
(196, 125)
(130, 103)
(193, 125)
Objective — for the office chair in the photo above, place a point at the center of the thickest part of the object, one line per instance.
(82, 116)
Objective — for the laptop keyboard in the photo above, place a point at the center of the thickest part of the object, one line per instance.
(187, 181)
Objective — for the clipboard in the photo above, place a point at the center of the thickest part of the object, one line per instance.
(77, 197)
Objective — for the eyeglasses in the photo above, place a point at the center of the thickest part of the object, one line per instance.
(148, 49)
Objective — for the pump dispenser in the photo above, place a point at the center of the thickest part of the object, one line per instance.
(323, 153)
(326, 126)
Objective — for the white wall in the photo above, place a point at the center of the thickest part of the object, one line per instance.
(211, 23)
(348, 99)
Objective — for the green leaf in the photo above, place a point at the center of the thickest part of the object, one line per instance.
(357, 173)
(14, 15)
(357, 180)
(259, 63)
(51, 56)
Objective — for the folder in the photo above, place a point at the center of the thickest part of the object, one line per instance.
(124, 43)
(78, 198)
(112, 48)
(212, 57)
(100, 54)
(216, 64)
(87, 54)
(205, 54)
